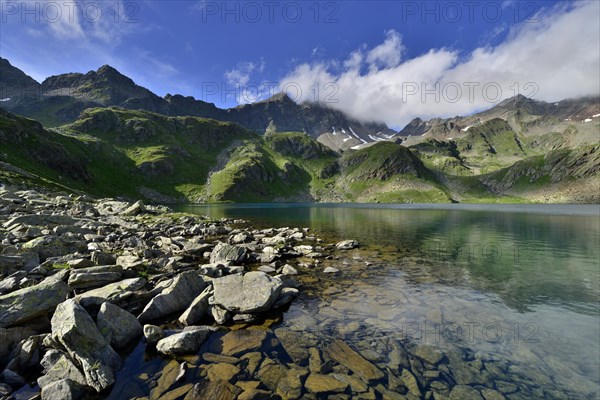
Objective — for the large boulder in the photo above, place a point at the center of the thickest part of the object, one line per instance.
(27, 303)
(75, 330)
(224, 253)
(44, 220)
(83, 280)
(177, 297)
(54, 246)
(186, 342)
(135, 209)
(64, 389)
(250, 293)
(57, 366)
(113, 293)
(118, 326)
(198, 309)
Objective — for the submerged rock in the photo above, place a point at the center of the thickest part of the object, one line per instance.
(318, 383)
(463, 392)
(242, 341)
(342, 353)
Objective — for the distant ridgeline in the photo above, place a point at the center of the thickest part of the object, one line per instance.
(102, 134)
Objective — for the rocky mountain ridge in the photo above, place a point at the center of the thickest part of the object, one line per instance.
(60, 99)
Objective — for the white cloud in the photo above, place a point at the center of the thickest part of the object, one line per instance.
(240, 75)
(387, 54)
(556, 58)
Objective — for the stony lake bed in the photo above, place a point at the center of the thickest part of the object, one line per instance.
(111, 299)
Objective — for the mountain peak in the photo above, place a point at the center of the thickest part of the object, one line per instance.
(108, 70)
(515, 100)
(280, 97)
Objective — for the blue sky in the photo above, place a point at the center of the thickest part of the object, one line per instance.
(365, 50)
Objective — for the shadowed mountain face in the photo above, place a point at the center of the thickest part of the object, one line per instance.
(14, 82)
(59, 99)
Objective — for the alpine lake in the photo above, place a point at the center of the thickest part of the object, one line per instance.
(438, 301)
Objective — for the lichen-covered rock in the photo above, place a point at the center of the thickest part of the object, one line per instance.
(118, 326)
(177, 297)
(251, 293)
(224, 253)
(27, 303)
(75, 330)
(113, 293)
(64, 389)
(54, 246)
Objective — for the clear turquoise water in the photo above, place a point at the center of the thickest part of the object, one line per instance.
(519, 285)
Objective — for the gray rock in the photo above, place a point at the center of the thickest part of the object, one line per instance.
(31, 302)
(250, 293)
(101, 258)
(135, 209)
(331, 270)
(223, 253)
(212, 270)
(463, 392)
(186, 342)
(10, 337)
(130, 262)
(118, 326)
(80, 263)
(347, 244)
(63, 368)
(5, 390)
(177, 297)
(198, 309)
(429, 354)
(27, 354)
(153, 333)
(64, 389)
(12, 378)
(51, 357)
(286, 296)
(266, 269)
(75, 330)
(91, 280)
(220, 315)
(113, 293)
(289, 270)
(40, 220)
(54, 246)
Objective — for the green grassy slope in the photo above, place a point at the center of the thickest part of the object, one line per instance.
(139, 154)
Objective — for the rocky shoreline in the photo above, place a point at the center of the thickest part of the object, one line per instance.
(83, 279)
